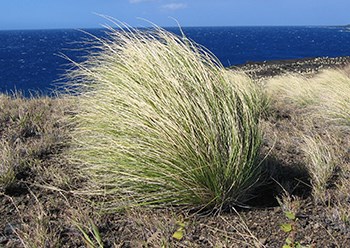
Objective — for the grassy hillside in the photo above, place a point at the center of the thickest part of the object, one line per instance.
(163, 147)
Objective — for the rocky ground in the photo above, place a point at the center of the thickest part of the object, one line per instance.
(40, 206)
(305, 66)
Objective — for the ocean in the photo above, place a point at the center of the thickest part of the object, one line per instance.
(32, 60)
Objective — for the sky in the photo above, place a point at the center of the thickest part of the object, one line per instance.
(47, 14)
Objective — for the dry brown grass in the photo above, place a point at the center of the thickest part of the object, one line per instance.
(321, 161)
(31, 130)
(37, 232)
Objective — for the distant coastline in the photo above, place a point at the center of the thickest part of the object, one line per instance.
(306, 65)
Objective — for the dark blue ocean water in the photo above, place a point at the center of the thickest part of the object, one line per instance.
(30, 60)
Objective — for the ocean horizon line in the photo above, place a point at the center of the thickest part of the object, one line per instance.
(172, 27)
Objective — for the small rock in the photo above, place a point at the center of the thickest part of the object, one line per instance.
(9, 229)
(3, 240)
(263, 241)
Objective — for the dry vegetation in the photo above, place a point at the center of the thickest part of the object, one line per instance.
(316, 109)
(45, 200)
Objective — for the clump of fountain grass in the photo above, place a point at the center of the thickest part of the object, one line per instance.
(161, 123)
(321, 161)
(326, 93)
(335, 85)
(293, 89)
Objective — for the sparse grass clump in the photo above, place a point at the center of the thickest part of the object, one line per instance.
(320, 163)
(293, 89)
(160, 122)
(335, 95)
(326, 94)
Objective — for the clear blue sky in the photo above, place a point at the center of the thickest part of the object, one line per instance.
(42, 14)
